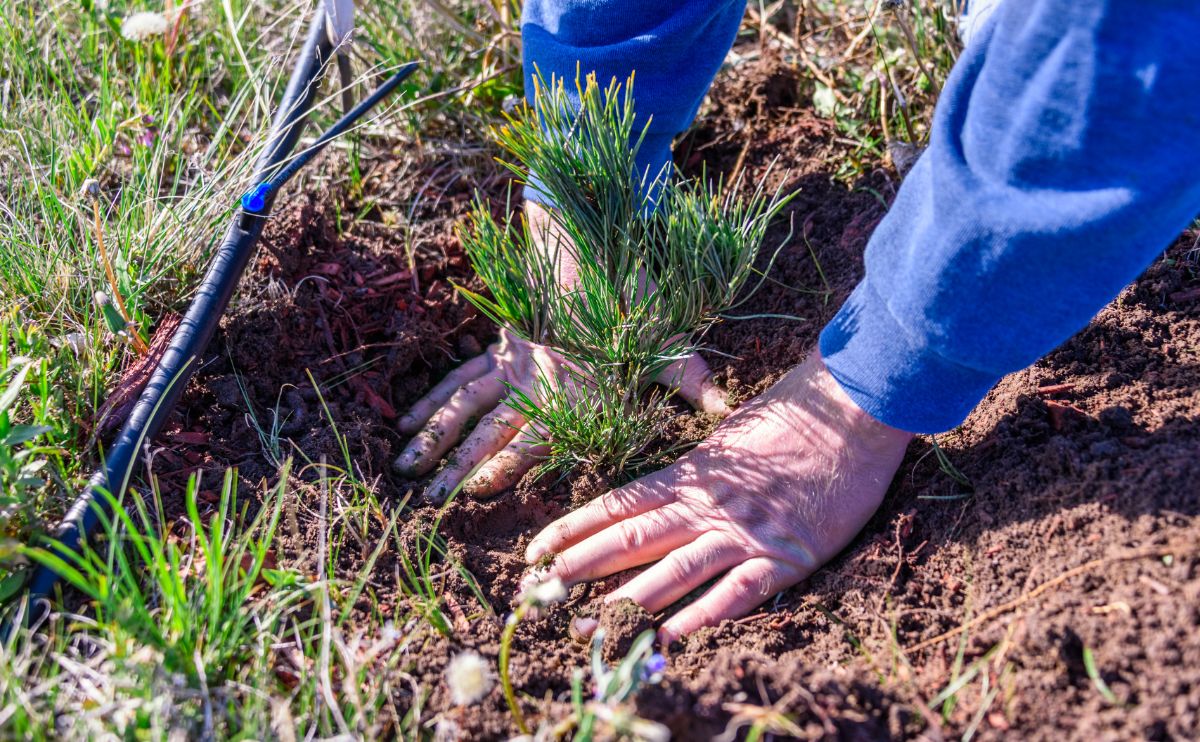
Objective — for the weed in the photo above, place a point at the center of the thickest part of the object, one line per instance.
(609, 713)
(1093, 673)
(20, 464)
(536, 595)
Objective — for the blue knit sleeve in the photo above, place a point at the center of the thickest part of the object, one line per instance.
(674, 46)
(1065, 156)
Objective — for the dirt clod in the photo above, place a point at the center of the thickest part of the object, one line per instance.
(622, 621)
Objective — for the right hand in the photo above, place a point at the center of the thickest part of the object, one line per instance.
(501, 443)
(775, 492)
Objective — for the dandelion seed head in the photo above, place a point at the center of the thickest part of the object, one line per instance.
(90, 188)
(469, 677)
(539, 589)
(144, 25)
(550, 592)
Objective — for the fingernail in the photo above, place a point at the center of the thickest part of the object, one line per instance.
(535, 551)
(436, 492)
(405, 424)
(405, 463)
(582, 628)
(479, 488)
(666, 636)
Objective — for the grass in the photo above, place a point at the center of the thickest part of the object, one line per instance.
(874, 68)
(219, 613)
(184, 626)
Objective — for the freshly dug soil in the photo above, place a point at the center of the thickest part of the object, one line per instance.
(1079, 473)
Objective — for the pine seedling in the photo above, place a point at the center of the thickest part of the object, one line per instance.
(599, 433)
(659, 260)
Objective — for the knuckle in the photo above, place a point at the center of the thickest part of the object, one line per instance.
(680, 569)
(561, 533)
(632, 534)
(750, 582)
(612, 505)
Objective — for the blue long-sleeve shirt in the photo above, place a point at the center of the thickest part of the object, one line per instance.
(1064, 156)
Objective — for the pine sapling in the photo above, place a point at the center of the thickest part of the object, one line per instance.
(659, 260)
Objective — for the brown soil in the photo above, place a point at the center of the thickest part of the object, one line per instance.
(1092, 454)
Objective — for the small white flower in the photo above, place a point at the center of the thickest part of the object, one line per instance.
(390, 633)
(90, 188)
(143, 25)
(469, 677)
(447, 730)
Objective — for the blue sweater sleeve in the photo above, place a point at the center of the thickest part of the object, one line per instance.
(1064, 156)
(674, 46)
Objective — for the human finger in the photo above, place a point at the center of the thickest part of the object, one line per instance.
(447, 424)
(692, 379)
(633, 499)
(419, 414)
(744, 588)
(681, 571)
(491, 435)
(507, 467)
(626, 544)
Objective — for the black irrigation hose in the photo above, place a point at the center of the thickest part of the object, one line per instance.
(192, 337)
(255, 201)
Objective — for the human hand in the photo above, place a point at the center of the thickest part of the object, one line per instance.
(501, 441)
(780, 487)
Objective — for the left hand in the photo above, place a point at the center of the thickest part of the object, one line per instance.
(781, 487)
(501, 449)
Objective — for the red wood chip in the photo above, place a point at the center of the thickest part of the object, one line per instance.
(393, 278)
(327, 269)
(190, 437)
(1055, 388)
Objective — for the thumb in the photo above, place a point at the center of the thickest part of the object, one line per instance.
(692, 378)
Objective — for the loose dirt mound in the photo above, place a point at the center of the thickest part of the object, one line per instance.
(1088, 458)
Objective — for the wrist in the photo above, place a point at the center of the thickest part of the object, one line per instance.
(812, 381)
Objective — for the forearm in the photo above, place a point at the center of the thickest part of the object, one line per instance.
(674, 49)
(1063, 159)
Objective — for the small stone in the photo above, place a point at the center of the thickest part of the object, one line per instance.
(1119, 418)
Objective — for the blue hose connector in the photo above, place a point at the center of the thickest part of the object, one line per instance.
(255, 200)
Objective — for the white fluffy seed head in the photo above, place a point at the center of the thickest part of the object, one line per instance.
(90, 188)
(143, 25)
(539, 589)
(550, 592)
(469, 677)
